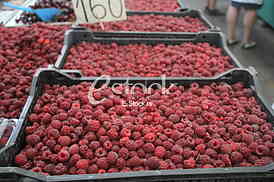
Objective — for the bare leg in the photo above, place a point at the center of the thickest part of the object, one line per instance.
(211, 4)
(249, 21)
(232, 17)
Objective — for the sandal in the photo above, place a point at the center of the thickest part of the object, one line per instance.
(232, 42)
(249, 45)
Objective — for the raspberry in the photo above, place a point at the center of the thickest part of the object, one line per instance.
(247, 138)
(152, 163)
(207, 166)
(53, 158)
(131, 145)
(107, 145)
(66, 130)
(262, 150)
(176, 149)
(189, 164)
(214, 143)
(46, 118)
(83, 149)
(174, 118)
(74, 158)
(120, 163)
(150, 137)
(187, 152)
(199, 141)
(168, 145)
(93, 125)
(112, 133)
(63, 116)
(160, 151)
(33, 139)
(64, 140)
(246, 164)
(103, 117)
(225, 158)
(200, 148)
(123, 152)
(219, 163)
(21, 159)
(93, 169)
(63, 155)
(176, 159)
(102, 163)
(94, 145)
(101, 132)
(264, 161)
(112, 157)
(176, 135)
(200, 131)
(148, 147)
(236, 157)
(51, 143)
(164, 165)
(100, 152)
(212, 153)
(31, 153)
(189, 131)
(53, 133)
(204, 159)
(65, 105)
(226, 148)
(36, 170)
(134, 162)
(124, 140)
(83, 142)
(82, 164)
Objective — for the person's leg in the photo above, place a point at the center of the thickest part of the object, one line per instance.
(250, 18)
(232, 18)
(211, 8)
(211, 4)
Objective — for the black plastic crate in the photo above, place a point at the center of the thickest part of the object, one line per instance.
(78, 35)
(9, 172)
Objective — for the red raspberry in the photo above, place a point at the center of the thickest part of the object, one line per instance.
(83, 149)
(74, 158)
(81, 171)
(123, 152)
(177, 149)
(219, 163)
(101, 132)
(63, 155)
(164, 165)
(150, 137)
(93, 169)
(152, 163)
(51, 143)
(160, 152)
(262, 150)
(120, 163)
(168, 145)
(63, 116)
(100, 152)
(64, 140)
(247, 138)
(134, 162)
(131, 145)
(148, 147)
(236, 157)
(226, 148)
(199, 141)
(176, 159)
(94, 145)
(204, 159)
(66, 130)
(125, 132)
(65, 105)
(82, 164)
(49, 168)
(246, 164)
(21, 159)
(56, 124)
(53, 133)
(207, 166)
(264, 161)
(36, 170)
(200, 131)
(189, 131)
(93, 125)
(189, 164)
(31, 153)
(187, 152)
(225, 158)
(83, 142)
(53, 158)
(46, 118)
(102, 163)
(33, 139)
(174, 118)
(214, 143)
(201, 148)
(107, 145)
(212, 153)
(112, 157)
(176, 135)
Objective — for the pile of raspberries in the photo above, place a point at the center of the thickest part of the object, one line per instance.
(197, 126)
(186, 59)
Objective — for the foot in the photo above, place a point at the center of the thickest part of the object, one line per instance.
(213, 12)
(249, 45)
(232, 42)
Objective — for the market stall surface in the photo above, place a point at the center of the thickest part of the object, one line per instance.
(261, 57)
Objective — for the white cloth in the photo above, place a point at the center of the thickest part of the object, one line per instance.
(259, 2)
